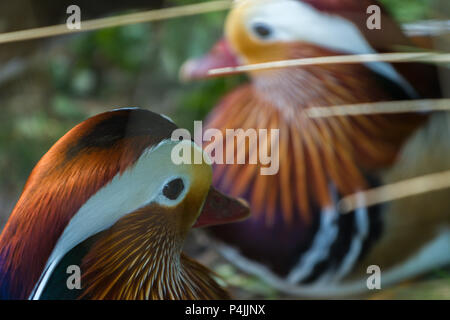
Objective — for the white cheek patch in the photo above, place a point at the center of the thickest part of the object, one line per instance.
(125, 193)
(294, 20)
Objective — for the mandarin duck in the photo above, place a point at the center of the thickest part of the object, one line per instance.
(107, 198)
(296, 239)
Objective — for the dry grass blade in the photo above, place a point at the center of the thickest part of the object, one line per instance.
(430, 57)
(380, 107)
(397, 190)
(427, 28)
(133, 18)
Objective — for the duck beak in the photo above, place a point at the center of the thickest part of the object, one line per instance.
(220, 209)
(220, 56)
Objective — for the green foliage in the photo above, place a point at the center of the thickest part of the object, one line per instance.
(127, 47)
(24, 139)
(409, 10)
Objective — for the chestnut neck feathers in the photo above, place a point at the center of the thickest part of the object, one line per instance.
(140, 258)
(316, 86)
(314, 151)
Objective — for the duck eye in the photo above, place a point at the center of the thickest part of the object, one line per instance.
(262, 30)
(173, 189)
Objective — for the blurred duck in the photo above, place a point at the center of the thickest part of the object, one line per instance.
(296, 239)
(107, 197)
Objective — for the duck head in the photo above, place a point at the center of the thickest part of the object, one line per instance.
(258, 31)
(107, 198)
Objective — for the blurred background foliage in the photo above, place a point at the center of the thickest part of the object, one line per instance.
(412, 10)
(68, 79)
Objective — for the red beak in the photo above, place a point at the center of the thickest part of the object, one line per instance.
(220, 209)
(220, 56)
